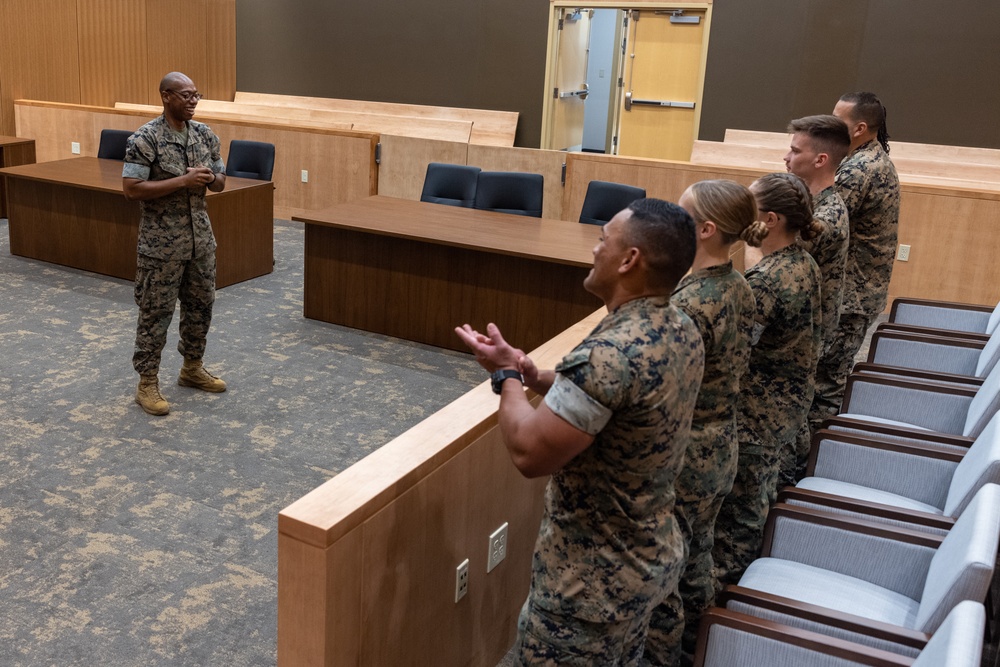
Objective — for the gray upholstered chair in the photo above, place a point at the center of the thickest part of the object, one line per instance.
(113, 144)
(510, 192)
(923, 485)
(897, 408)
(728, 639)
(605, 200)
(450, 184)
(942, 317)
(878, 585)
(939, 358)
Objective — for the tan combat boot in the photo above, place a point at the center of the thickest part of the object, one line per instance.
(148, 396)
(193, 374)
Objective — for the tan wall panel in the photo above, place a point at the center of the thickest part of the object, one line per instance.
(405, 159)
(40, 54)
(112, 35)
(220, 77)
(185, 36)
(547, 163)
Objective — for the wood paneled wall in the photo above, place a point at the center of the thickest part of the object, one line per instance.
(99, 52)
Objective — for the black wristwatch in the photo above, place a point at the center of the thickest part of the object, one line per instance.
(498, 377)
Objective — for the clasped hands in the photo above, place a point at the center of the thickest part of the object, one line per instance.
(494, 353)
(200, 176)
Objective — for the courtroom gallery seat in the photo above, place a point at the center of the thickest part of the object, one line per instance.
(450, 184)
(250, 159)
(605, 200)
(113, 142)
(510, 192)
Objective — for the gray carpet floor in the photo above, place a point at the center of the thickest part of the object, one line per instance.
(127, 539)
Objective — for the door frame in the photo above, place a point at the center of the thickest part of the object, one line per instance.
(551, 51)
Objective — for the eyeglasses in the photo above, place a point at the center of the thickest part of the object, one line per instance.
(187, 96)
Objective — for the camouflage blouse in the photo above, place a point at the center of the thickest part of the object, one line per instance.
(867, 182)
(829, 250)
(609, 544)
(777, 390)
(175, 226)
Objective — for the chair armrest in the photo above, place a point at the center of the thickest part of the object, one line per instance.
(931, 331)
(932, 405)
(786, 636)
(958, 356)
(864, 509)
(896, 434)
(859, 625)
(903, 372)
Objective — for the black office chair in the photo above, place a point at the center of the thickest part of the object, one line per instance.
(605, 200)
(113, 143)
(510, 192)
(250, 159)
(450, 184)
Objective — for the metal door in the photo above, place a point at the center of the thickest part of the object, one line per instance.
(569, 78)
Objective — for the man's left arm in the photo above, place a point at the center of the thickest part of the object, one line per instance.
(218, 167)
(539, 441)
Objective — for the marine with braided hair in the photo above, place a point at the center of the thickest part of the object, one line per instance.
(868, 183)
(777, 390)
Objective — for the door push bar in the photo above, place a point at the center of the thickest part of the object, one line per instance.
(655, 103)
(582, 94)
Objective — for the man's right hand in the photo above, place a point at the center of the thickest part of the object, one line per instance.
(198, 177)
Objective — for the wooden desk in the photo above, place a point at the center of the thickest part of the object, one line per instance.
(415, 270)
(73, 212)
(14, 151)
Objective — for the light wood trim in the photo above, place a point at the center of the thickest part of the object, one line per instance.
(366, 562)
(489, 128)
(905, 149)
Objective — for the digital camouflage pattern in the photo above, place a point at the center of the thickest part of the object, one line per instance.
(720, 303)
(775, 395)
(868, 184)
(176, 245)
(609, 548)
(829, 249)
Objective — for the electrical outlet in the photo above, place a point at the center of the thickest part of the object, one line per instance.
(305, 176)
(498, 547)
(462, 580)
(74, 147)
(903, 254)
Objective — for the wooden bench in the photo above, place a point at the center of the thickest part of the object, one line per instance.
(489, 128)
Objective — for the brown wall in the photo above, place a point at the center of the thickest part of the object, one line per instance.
(487, 54)
(104, 51)
(934, 65)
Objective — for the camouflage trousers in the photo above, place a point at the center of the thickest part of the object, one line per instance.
(739, 529)
(702, 486)
(794, 457)
(159, 284)
(546, 638)
(834, 367)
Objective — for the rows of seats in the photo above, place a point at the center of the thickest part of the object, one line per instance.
(247, 159)
(516, 192)
(885, 552)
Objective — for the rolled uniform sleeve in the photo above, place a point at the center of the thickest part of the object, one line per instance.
(590, 383)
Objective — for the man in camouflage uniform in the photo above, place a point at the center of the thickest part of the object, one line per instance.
(612, 431)
(818, 145)
(169, 162)
(868, 183)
